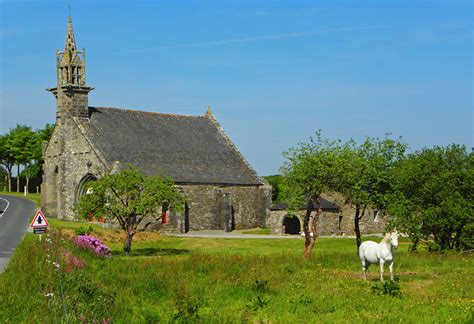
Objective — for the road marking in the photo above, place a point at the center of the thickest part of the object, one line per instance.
(8, 204)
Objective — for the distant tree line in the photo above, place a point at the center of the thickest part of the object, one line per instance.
(428, 195)
(21, 149)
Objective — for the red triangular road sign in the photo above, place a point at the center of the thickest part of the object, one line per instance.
(39, 220)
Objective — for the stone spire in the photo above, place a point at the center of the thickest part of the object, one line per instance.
(71, 90)
(70, 45)
(71, 66)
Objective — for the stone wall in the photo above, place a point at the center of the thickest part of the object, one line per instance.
(334, 222)
(69, 158)
(212, 207)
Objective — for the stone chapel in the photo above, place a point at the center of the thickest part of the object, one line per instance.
(223, 189)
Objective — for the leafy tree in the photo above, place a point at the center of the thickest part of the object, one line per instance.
(31, 170)
(129, 197)
(20, 143)
(367, 175)
(3, 178)
(23, 146)
(276, 183)
(45, 133)
(7, 159)
(435, 197)
(361, 173)
(310, 170)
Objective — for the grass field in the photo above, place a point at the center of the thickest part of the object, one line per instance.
(226, 280)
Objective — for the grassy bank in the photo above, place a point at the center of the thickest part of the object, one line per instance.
(216, 280)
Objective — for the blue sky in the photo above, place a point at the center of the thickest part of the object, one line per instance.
(273, 72)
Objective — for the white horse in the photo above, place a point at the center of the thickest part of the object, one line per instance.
(371, 252)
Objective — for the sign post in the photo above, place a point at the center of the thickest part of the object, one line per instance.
(39, 224)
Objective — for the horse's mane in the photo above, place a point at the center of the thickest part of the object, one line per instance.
(386, 238)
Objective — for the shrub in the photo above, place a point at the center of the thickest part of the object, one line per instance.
(390, 288)
(84, 231)
(94, 245)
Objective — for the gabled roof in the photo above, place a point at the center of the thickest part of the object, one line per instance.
(188, 149)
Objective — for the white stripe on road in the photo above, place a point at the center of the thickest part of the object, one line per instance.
(8, 204)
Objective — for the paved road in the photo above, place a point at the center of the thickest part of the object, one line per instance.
(14, 215)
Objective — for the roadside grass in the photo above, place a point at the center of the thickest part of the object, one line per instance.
(36, 198)
(258, 231)
(227, 280)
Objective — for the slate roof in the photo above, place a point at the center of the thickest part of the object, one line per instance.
(326, 205)
(189, 149)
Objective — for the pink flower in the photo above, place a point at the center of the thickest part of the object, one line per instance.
(94, 245)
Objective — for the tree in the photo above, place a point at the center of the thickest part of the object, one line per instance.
(7, 159)
(31, 170)
(275, 181)
(22, 146)
(310, 170)
(361, 173)
(3, 179)
(45, 134)
(20, 143)
(129, 197)
(434, 200)
(367, 175)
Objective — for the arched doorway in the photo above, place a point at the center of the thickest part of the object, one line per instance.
(291, 224)
(82, 187)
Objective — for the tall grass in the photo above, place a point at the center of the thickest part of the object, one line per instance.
(231, 280)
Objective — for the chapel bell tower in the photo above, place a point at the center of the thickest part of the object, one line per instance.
(71, 91)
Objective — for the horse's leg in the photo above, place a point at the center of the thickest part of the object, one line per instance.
(364, 269)
(381, 262)
(391, 270)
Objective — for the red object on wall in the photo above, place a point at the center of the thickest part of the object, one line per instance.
(164, 218)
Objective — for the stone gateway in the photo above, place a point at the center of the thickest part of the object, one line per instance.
(224, 191)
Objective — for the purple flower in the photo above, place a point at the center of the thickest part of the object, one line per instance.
(94, 245)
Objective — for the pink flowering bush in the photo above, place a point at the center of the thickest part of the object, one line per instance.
(94, 245)
(72, 262)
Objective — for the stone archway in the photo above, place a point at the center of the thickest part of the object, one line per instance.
(291, 224)
(82, 187)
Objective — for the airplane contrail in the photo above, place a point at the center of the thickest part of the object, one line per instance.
(256, 38)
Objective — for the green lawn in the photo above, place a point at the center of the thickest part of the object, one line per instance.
(228, 280)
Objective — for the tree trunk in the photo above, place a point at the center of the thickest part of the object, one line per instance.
(18, 178)
(414, 246)
(357, 228)
(310, 240)
(127, 246)
(27, 183)
(9, 176)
